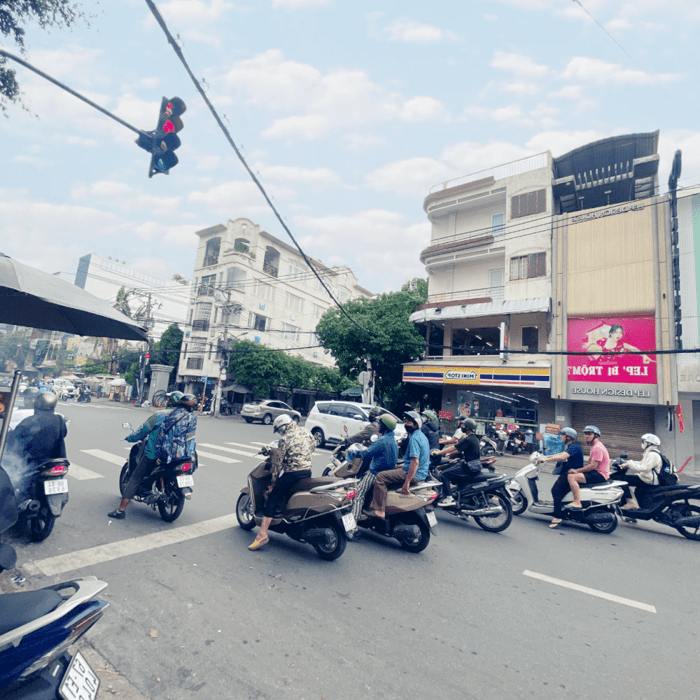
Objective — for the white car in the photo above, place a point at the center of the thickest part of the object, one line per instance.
(327, 420)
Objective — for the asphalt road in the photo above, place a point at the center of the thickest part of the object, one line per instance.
(476, 615)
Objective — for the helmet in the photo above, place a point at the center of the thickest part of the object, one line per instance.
(373, 413)
(592, 429)
(469, 424)
(430, 415)
(650, 439)
(387, 422)
(281, 421)
(570, 432)
(188, 401)
(415, 417)
(45, 402)
(174, 397)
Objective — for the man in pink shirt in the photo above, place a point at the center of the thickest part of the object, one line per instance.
(595, 472)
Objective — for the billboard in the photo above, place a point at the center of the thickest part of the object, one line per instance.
(610, 343)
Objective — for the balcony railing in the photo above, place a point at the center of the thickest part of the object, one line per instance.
(270, 269)
(200, 325)
(205, 290)
(495, 293)
(210, 260)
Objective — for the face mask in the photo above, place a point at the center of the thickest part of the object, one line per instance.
(410, 427)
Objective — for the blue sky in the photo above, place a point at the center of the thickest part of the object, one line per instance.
(349, 111)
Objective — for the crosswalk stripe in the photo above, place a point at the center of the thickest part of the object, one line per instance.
(115, 550)
(248, 446)
(217, 458)
(81, 473)
(107, 456)
(264, 444)
(227, 449)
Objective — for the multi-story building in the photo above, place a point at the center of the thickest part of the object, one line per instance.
(564, 255)
(249, 284)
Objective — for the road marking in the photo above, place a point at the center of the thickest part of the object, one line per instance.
(124, 548)
(81, 473)
(264, 444)
(247, 446)
(591, 591)
(107, 456)
(218, 458)
(226, 449)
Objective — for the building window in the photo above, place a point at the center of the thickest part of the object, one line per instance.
(197, 345)
(266, 292)
(318, 311)
(295, 269)
(528, 204)
(259, 323)
(343, 295)
(194, 363)
(294, 302)
(235, 278)
(202, 314)
(527, 266)
(206, 289)
(211, 254)
(290, 332)
(497, 226)
(531, 338)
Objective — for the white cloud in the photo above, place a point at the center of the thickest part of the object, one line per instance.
(522, 89)
(75, 65)
(412, 177)
(124, 198)
(581, 98)
(196, 20)
(593, 70)
(298, 4)
(561, 142)
(362, 142)
(519, 65)
(417, 32)
(222, 199)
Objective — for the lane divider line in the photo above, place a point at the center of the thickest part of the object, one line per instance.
(81, 473)
(116, 550)
(217, 458)
(106, 456)
(590, 591)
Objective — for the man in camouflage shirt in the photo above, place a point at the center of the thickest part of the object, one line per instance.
(291, 462)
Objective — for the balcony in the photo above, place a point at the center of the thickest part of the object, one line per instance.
(270, 269)
(200, 325)
(205, 290)
(466, 241)
(210, 260)
(484, 294)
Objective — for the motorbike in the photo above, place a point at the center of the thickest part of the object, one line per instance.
(317, 511)
(600, 502)
(493, 442)
(225, 408)
(38, 627)
(84, 396)
(515, 441)
(668, 505)
(482, 497)
(166, 488)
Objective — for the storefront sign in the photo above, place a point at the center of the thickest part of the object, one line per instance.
(614, 393)
(688, 378)
(610, 211)
(535, 377)
(610, 342)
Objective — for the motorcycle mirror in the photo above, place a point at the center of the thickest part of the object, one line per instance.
(374, 438)
(126, 426)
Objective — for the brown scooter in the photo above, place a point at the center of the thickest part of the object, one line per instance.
(317, 512)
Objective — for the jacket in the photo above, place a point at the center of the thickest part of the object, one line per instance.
(648, 469)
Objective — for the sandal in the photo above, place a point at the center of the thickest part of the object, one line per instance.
(257, 544)
(556, 522)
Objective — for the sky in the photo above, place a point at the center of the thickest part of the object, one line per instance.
(348, 110)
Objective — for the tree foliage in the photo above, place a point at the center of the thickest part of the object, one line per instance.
(166, 351)
(13, 347)
(15, 15)
(392, 339)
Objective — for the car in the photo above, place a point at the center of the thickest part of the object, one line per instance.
(267, 411)
(328, 420)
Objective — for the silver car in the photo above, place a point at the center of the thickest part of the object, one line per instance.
(267, 411)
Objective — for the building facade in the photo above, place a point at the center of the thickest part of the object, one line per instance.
(250, 285)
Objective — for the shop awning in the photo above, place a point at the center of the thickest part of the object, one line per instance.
(492, 308)
(236, 388)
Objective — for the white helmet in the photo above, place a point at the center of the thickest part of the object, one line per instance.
(650, 439)
(283, 420)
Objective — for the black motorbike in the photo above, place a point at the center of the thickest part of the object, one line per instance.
(166, 488)
(482, 497)
(668, 505)
(84, 396)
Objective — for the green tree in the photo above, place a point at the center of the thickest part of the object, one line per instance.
(90, 367)
(131, 373)
(14, 347)
(15, 15)
(166, 351)
(392, 339)
(256, 366)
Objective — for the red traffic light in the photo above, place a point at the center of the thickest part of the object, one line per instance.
(148, 354)
(165, 139)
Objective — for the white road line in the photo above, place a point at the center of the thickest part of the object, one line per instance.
(591, 591)
(81, 473)
(264, 444)
(107, 456)
(124, 548)
(217, 458)
(226, 449)
(247, 446)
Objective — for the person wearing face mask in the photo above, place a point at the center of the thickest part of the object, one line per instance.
(595, 472)
(641, 474)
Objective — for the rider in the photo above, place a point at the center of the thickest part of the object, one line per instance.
(364, 437)
(291, 462)
(151, 431)
(468, 448)
(431, 429)
(595, 472)
(570, 458)
(641, 474)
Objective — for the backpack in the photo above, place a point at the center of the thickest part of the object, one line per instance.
(176, 436)
(667, 474)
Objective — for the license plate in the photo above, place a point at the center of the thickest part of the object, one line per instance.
(185, 480)
(80, 681)
(54, 486)
(432, 519)
(349, 522)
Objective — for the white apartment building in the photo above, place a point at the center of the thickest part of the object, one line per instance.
(248, 284)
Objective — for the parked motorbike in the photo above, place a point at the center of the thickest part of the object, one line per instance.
(482, 497)
(166, 488)
(668, 505)
(515, 442)
(38, 627)
(317, 511)
(600, 502)
(493, 442)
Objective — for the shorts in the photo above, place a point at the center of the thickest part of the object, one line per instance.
(594, 477)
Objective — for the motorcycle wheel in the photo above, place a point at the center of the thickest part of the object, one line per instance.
(335, 549)
(326, 471)
(171, 507)
(688, 510)
(123, 478)
(519, 503)
(487, 450)
(244, 512)
(418, 544)
(608, 527)
(496, 523)
(40, 527)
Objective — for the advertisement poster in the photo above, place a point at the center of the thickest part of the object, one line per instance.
(611, 342)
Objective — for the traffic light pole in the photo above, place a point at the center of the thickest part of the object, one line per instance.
(12, 57)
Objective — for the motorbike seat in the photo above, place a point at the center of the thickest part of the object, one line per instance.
(306, 484)
(17, 609)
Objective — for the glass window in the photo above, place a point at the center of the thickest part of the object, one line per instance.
(259, 323)
(526, 266)
(295, 269)
(266, 291)
(211, 254)
(235, 278)
(290, 332)
(294, 302)
(497, 227)
(531, 338)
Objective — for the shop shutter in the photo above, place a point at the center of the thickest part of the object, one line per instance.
(621, 426)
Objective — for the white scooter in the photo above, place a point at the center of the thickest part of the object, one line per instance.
(599, 502)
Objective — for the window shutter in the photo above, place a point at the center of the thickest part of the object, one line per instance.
(514, 207)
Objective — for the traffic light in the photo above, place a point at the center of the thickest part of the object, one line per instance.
(162, 142)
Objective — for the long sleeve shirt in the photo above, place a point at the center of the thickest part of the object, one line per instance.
(648, 469)
(383, 453)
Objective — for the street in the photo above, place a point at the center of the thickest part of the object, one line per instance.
(193, 613)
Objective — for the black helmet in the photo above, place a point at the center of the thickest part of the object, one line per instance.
(188, 401)
(46, 401)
